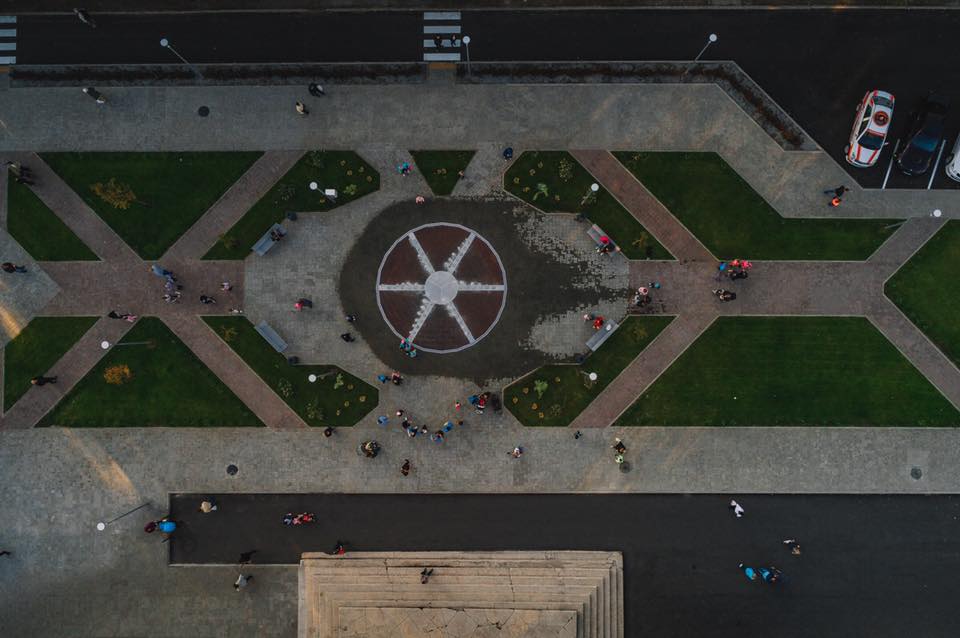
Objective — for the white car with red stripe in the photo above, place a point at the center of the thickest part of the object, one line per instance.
(870, 128)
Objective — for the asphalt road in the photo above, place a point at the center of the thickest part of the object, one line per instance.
(871, 565)
(816, 63)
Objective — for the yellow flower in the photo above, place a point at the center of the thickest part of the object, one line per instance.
(516, 399)
(369, 178)
(349, 172)
(343, 162)
(338, 412)
(516, 180)
(540, 415)
(362, 398)
(349, 386)
(556, 379)
(346, 404)
(534, 406)
(539, 164)
(526, 390)
(533, 171)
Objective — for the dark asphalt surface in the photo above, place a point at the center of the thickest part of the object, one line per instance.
(815, 63)
(871, 565)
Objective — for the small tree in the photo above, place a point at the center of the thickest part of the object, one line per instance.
(565, 169)
(118, 374)
(338, 382)
(228, 241)
(542, 189)
(540, 386)
(285, 388)
(229, 333)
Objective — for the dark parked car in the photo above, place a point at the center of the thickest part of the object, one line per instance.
(924, 135)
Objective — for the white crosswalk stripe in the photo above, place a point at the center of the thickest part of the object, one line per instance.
(444, 24)
(8, 39)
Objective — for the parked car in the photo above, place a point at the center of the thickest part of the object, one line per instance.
(924, 135)
(952, 164)
(874, 114)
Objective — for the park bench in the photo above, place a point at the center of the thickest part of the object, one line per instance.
(601, 335)
(271, 336)
(596, 233)
(266, 242)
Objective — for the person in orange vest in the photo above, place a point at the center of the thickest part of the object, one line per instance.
(835, 201)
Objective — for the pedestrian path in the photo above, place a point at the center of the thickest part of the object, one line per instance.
(234, 372)
(72, 366)
(233, 205)
(445, 24)
(8, 40)
(654, 217)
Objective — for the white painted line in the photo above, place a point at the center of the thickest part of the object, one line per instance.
(453, 28)
(936, 164)
(426, 307)
(455, 313)
(441, 57)
(8, 19)
(7, 60)
(405, 287)
(428, 44)
(441, 15)
(451, 264)
(890, 165)
(8, 46)
(8, 33)
(470, 286)
(421, 254)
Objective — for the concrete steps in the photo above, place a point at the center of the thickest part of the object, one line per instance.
(372, 593)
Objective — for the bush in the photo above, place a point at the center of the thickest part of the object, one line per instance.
(115, 193)
(118, 374)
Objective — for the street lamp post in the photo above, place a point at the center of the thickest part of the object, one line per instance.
(103, 525)
(106, 344)
(710, 40)
(165, 43)
(466, 46)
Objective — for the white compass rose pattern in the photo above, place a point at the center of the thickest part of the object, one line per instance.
(441, 286)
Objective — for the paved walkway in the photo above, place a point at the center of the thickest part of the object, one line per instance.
(775, 288)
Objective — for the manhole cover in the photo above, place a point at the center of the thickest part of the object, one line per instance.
(442, 287)
(203, 111)
(916, 473)
(232, 469)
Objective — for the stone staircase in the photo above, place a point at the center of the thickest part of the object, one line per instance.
(566, 594)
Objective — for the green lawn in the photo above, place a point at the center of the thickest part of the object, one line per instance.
(343, 170)
(441, 168)
(319, 403)
(781, 371)
(567, 393)
(165, 193)
(927, 289)
(34, 351)
(39, 230)
(169, 387)
(734, 221)
(567, 183)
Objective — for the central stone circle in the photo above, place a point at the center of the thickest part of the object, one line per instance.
(442, 287)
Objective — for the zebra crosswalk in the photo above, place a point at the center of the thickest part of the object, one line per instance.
(446, 25)
(8, 39)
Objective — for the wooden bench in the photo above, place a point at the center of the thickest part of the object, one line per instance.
(266, 242)
(601, 335)
(271, 336)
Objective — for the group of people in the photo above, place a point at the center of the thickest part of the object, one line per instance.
(21, 174)
(298, 519)
(642, 297)
(770, 574)
(408, 348)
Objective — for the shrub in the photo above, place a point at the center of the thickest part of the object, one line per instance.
(115, 193)
(228, 241)
(229, 334)
(316, 158)
(118, 374)
(540, 386)
(565, 169)
(338, 382)
(350, 190)
(286, 191)
(285, 388)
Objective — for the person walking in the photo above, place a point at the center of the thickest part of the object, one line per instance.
(301, 109)
(242, 581)
(247, 557)
(160, 271)
(838, 191)
(351, 318)
(226, 286)
(42, 380)
(84, 17)
(6, 553)
(206, 299)
(835, 201)
(736, 509)
(382, 420)
(315, 90)
(749, 572)
(425, 575)
(437, 437)
(207, 505)
(339, 549)
(11, 267)
(438, 41)
(301, 304)
(95, 94)
(405, 467)
(793, 545)
(517, 452)
(346, 336)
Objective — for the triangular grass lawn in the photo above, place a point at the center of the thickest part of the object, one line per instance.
(441, 169)
(165, 193)
(344, 171)
(336, 398)
(927, 289)
(39, 230)
(36, 349)
(568, 389)
(783, 371)
(170, 386)
(555, 182)
(734, 221)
